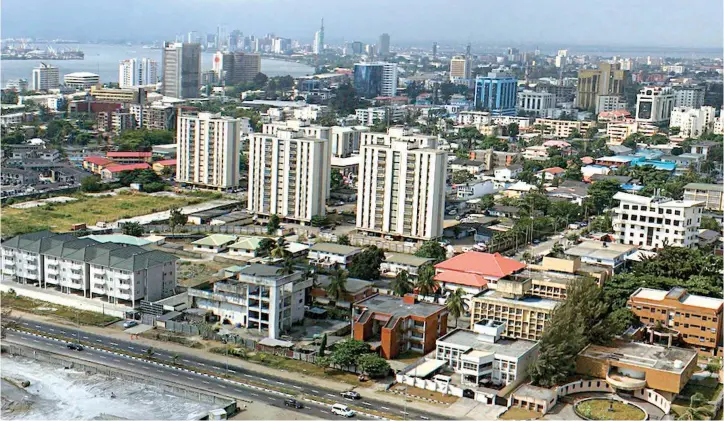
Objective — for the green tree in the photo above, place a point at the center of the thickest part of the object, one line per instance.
(487, 201)
(601, 194)
(91, 184)
(337, 180)
(345, 100)
(461, 176)
(343, 240)
(287, 266)
(280, 249)
(432, 249)
(366, 265)
(373, 365)
(471, 135)
(149, 353)
(132, 228)
(696, 410)
(9, 96)
(322, 345)
(426, 284)
(273, 225)
(176, 218)
(319, 221)
(709, 223)
(455, 304)
(347, 352)
(260, 80)
(266, 245)
(513, 129)
(337, 285)
(323, 362)
(402, 284)
(573, 172)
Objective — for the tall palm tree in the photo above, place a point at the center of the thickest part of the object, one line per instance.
(280, 249)
(402, 284)
(426, 283)
(310, 273)
(287, 267)
(338, 284)
(456, 304)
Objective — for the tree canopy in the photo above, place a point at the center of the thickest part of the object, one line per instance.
(432, 249)
(366, 265)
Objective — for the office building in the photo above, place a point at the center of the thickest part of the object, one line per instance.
(496, 93)
(375, 79)
(289, 174)
(539, 104)
(400, 183)
(561, 58)
(383, 48)
(257, 298)
(134, 72)
(711, 194)
(318, 45)
(692, 319)
(208, 151)
(398, 324)
(114, 272)
(653, 222)
(563, 128)
(608, 79)
(124, 96)
(434, 50)
(689, 96)
(692, 122)
(281, 45)
(45, 77)
(654, 104)
(237, 67)
(608, 103)
(460, 68)
(81, 80)
(181, 70)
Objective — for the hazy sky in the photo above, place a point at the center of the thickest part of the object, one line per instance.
(650, 23)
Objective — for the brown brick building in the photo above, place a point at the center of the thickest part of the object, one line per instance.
(694, 319)
(395, 325)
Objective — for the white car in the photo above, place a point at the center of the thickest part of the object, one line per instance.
(343, 410)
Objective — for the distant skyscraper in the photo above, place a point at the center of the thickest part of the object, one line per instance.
(434, 50)
(192, 37)
(319, 40)
(45, 77)
(235, 40)
(181, 70)
(238, 67)
(383, 47)
(375, 79)
(497, 93)
(459, 68)
(608, 79)
(134, 72)
(467, 50)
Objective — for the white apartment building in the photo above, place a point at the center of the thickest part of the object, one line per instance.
(45, 77)
(372, 115)
(117, 273)
(389, 79)
(692, 122)
(258, 298)
(208, 150)
(289, 174)
(654, 104)
(562, 128)
(651, 222)
(618, 131)
(689, 96)
(81, 80)
(606, 103)
(345, 140)
(134, 72)
(540, 103)
(474, 118)
(401, 185)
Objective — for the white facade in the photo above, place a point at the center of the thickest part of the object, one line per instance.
(653, 222)
(208, 150)
(289, 174)
(718, 126)
(401, 185)
(606, 103)
(133, 72)
(474, 190)
(692, 97)
(654, 104)
(372, 115)
(81, 80)
(345, 140)
(389, 79)
(540, 103)
(45, 77)
(692, 122)
(474, 118)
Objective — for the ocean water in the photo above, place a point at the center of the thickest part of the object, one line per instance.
(104, 59)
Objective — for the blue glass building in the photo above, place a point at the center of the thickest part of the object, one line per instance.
(496, 93)
(368, 79)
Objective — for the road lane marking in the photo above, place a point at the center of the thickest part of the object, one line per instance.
(329, 394)
(102, 356)
(117, 360)
(297, 387)
(228, 369)
(365, 403)
(190, 378)
(315, 391)
(197, 363)
(266, 380)
(247, 375)
(222, 386)
(205, 382)
(85, 337)
(130, 347)
(98, 340)
(37, 326)
(384, 407)
(51, 329)
(186, 361)
(424, 418)
(173, 374)
(254, 394)
(114, 344)
(279, 382)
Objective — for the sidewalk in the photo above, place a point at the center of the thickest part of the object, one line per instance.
(235, 362)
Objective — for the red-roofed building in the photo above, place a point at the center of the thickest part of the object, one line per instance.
(474, 271)
(551, 173)
(112, 171)
(587, 160)
(159, 166)
(615, 115)
(129, 157)
(95, 164)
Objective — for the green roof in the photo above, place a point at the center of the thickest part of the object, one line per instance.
(215, 240)
(705, 186)
(247, 243)
(334, 248)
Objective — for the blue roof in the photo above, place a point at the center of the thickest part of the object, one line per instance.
(659, 165)
(632, 187)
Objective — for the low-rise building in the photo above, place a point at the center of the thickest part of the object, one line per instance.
(214, 243)
(475, 272)
(397, 262)
(394, 325)
(354, 290)
(113, 171)
(130, 157)
(552, 277)
(167, 165)
(562, 128)
(245, 246)
(96, 164)
(601, 253)
(331, 255)
(711, 194)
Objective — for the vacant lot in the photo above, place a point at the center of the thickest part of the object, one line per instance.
(56, 311)
(87, 210)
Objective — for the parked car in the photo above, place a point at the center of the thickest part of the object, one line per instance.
(343, 410)
(293, 403)
(129, 323)
(75, 347)
(351, 394)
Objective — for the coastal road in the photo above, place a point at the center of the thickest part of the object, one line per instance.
(234, 371)
(170, 374)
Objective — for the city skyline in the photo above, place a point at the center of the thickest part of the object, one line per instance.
(545, 24)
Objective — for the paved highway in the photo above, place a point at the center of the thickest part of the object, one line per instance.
(234, 371)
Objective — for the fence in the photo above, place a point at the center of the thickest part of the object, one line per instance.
(391, 246)
(194, 330)
(220, 229)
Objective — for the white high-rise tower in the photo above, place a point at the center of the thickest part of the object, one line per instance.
(318, 46)
(134, 72)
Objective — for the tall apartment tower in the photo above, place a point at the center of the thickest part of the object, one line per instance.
(208, 150)
(401, 185)
(237, 67)
(318, 46)
(289, 174)
(181, 70)
(460, 68)
(375, 79)
(608, 79)
(383, 47)
(133, 72)
(45, 77)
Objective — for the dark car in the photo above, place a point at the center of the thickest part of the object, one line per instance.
(293, 403)
(351, 394)
(75, 347)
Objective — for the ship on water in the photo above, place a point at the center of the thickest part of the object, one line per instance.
(25, 52)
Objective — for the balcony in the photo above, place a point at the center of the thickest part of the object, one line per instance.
(625, 382)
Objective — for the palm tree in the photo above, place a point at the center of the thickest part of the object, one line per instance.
(426, 283)
(280, 250)
(338, 284)
(695, 410)
(287, 267)
(456, 304)
(402, 285)
(175, 358)
(310, 273)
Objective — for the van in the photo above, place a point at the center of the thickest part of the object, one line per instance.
(343, 410)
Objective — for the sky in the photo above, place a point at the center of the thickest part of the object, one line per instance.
(627, 23)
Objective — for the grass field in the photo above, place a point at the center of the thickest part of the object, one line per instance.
(43, 308)
(89, 210)
(598, 409)
(514, 413)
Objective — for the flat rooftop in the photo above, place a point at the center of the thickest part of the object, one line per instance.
(257, 269)
(527, 301)
(474, 341)
(680, 295)
(353, 285)
(535, 392)
(394, 306)
(642, 355)
(600, 250)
